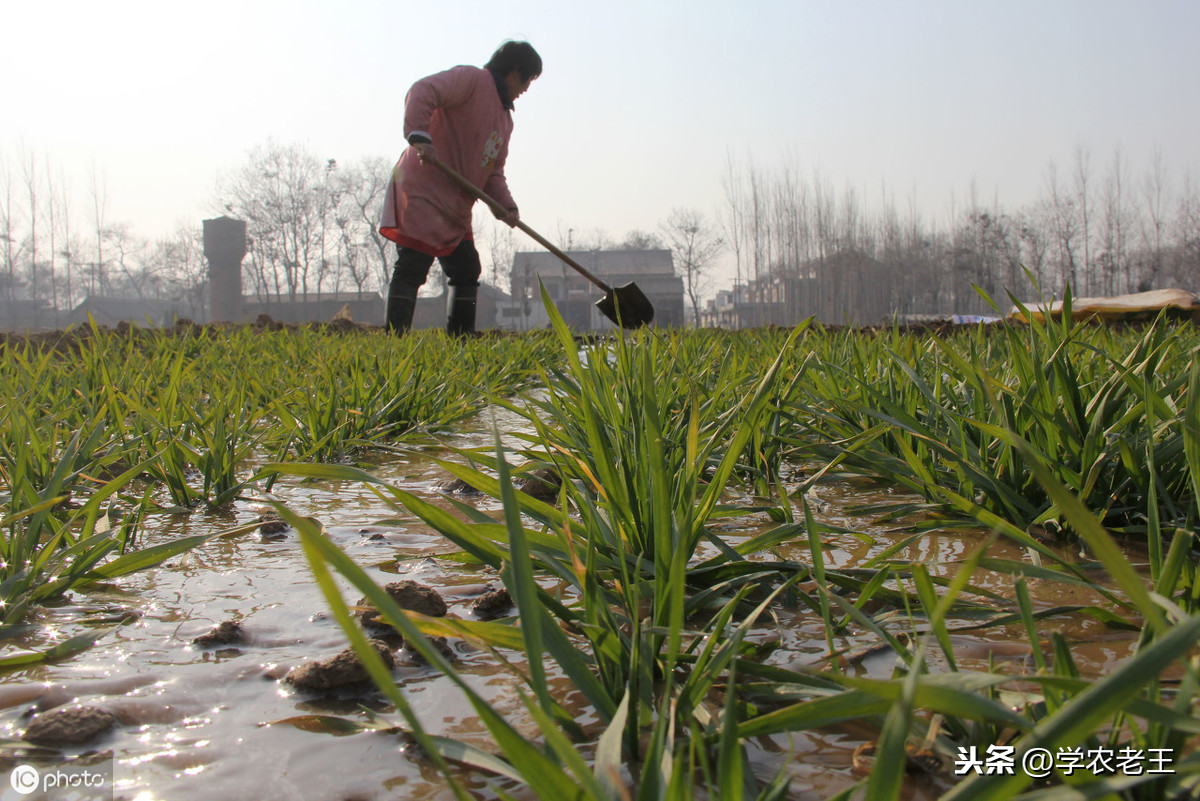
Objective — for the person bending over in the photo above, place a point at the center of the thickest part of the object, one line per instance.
(463, 117)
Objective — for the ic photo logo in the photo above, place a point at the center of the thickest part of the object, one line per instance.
(25, 779)
(90, 782)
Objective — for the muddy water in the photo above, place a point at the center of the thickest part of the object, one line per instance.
(201, 723)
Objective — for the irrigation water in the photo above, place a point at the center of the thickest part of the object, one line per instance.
(798, 564)
(219, 721)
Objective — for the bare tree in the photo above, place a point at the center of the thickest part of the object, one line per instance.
(501, 244)
(29, 173)
(1034, 230)
(694, 246)
(311, 223)
(849, 234)
(791, 224)
(641, 240)
(182, 269)
(12, 247)
(498, 241)
(757, 227)
(280, 193)
(596, 239)
(734, 225)
(53, 221)
(327, 201)
(355, 220)
(1066, 228)
(98, 281)
(1154, 191)
(1113, 261)
(70, 248)
(351, 259)
(825, 231)
(1187, 232)
(364, 185)
(916, 290)
(132, 275)
(1083, 197)
(891, 252)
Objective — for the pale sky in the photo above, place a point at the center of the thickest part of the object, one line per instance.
(639, 107)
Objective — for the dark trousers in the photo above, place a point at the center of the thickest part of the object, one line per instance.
(462, 267)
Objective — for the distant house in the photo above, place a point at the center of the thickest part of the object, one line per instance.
(20, 315)
(722, 310)
(109, 311)
(575, 297)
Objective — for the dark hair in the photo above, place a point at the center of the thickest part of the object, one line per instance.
(519, 56)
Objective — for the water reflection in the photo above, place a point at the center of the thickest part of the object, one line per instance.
(198, 723)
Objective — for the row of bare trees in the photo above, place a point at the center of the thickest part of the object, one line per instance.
(311, 227)
(56, 250)
(311, 223)
(1100, 229)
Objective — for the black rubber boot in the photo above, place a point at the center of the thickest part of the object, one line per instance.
(460, 310)
(401, 303)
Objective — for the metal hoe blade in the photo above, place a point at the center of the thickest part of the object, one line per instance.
(627, 306)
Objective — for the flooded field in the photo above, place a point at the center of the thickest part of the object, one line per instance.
(769, 564)
(218, 722)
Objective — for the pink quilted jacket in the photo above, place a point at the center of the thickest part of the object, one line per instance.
(461, 112)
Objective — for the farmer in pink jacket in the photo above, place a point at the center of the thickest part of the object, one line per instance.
(463, 117)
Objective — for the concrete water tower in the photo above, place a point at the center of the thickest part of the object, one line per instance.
(224, 247)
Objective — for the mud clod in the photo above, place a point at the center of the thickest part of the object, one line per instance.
(439, 644)
(408, 595)
(72, 725)
(542, 484)
(226, 633)
(456, 486)
(271, 526)
(340, 670)
(492, 604)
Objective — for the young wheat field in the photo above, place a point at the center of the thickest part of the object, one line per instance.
(668, 564)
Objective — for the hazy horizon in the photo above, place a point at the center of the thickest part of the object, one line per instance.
(639, 109)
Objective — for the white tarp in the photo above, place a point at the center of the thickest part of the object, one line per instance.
(1118, 307)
